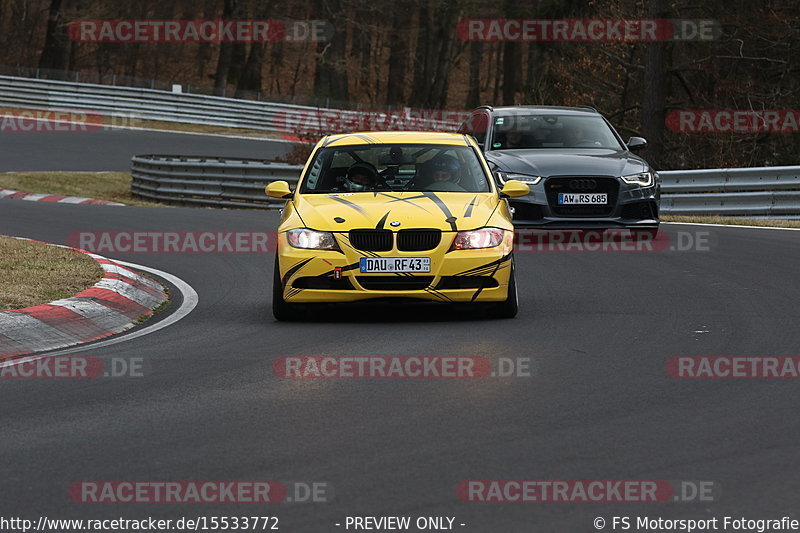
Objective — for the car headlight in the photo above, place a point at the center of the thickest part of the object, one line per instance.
(525, 178)
(311, 240)
(478, 238)
(645, 179)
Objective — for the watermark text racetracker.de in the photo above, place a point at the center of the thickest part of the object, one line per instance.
(525, 240)
(612, 240)
(585, 491)
(733, 367)
(73, 367)
(186, 492)
(733, 121)
(63, 121)
(588, 30)
(209, 31)
(173, 241)
(401, 367)
(316, 121)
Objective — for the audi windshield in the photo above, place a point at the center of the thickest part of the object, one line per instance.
(519, 132)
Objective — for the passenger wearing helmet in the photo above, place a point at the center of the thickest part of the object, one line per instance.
(360, 177)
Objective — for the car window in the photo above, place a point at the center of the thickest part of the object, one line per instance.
(476, 125)
(395, 167)
(512, 132)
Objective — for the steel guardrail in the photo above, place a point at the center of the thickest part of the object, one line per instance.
(209, 181)
(761, 191)
(188, 108)
(754, 191)
(236, 182)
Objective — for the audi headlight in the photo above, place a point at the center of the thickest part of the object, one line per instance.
(478, 238)
(645, 179)
(525, 178)
(311, 240)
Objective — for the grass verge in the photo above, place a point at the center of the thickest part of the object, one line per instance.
(772, 223)
(33, 273)
(111, 186)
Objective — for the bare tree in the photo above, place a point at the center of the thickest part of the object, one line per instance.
(398, 54)
(55, 53)
(331, 79)
(655, 88)
(226, 50)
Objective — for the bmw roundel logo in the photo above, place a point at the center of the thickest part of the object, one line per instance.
(394, 223)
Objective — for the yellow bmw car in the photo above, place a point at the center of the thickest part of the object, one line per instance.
(401, 215)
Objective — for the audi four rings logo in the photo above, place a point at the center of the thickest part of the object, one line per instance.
(582, 185)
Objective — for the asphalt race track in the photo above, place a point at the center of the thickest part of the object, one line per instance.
(597, 327)
(112, 149)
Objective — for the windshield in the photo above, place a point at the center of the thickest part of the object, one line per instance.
(512, 132)
(396, 167)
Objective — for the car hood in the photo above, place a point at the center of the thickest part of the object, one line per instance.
(447, 211)
(570, 162)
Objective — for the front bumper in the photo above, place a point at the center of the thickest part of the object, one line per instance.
(630, 207)
(309, 276)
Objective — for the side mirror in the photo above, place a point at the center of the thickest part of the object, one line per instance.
(636, 143)
(515, 189)
(278, 189)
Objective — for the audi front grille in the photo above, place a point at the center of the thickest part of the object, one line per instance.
(582, 184)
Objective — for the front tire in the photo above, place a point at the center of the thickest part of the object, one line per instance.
(281, 310)
(509, 307)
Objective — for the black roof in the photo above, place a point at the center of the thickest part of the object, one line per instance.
(540, 109)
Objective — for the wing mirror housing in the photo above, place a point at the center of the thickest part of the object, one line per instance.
(278, 189)
(515, 189)
(637, 143)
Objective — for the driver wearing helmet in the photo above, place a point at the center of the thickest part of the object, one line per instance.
(360, 177)
(446, 168)
(514, 139)
(443, 174)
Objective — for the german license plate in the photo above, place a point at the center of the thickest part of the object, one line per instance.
(582, 199)
(395, 264)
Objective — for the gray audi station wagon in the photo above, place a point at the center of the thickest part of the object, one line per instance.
(581, 173)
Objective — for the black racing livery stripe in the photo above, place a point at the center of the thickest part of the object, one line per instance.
(483, 282)
(406, 200)
(294, 269)
(444, 209)
(438, 294)
(346, 268)
(382, 221)
(367, 139)
(486, 267)
(468, 212)
(293, 292)
(330, 139)
(348, 203)
(409, 198)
